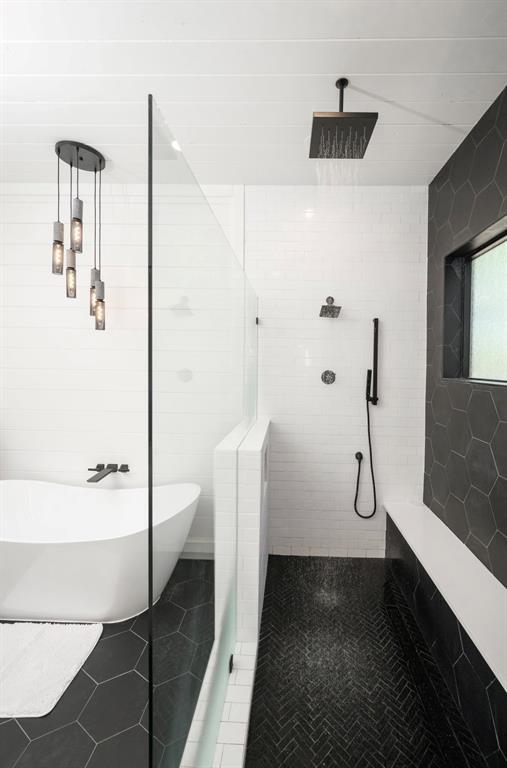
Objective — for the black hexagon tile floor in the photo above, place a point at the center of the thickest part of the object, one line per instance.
(344, 678)
(101, 720)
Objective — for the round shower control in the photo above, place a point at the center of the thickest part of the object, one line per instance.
(328, 377)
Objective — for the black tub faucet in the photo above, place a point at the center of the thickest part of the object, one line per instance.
(101, 471)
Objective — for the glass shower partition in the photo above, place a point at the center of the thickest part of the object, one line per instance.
(202, 384)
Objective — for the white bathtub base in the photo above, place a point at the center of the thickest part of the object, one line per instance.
(81, 555)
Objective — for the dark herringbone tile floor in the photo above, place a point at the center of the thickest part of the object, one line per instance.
(341, 681)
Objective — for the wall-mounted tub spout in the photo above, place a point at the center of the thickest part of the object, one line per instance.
(103, 471)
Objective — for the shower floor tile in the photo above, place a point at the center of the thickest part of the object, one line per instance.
(101, 719)
(344, 679)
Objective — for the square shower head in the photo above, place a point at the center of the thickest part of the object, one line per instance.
(341, 135)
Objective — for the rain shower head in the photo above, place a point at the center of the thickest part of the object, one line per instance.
(341, 135)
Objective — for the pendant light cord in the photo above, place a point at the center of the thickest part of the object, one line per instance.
(77, 166)
(58, 186)
(100, 222)
(70, 199)
(95, 219)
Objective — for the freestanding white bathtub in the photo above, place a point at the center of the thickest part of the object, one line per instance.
(81, 554)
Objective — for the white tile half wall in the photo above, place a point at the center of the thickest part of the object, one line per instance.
(241, 483)
(241, 487)
(366, 246)
(253, 524)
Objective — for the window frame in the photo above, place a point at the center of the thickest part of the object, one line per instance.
(476, 247)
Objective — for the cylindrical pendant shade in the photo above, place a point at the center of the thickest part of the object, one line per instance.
(94, 276)
(57, 259)
(76, 226)
(71, 258)
(76, 235)
(58, 231)
(70, 279)
(100, 315)
(70, 274)
(57, 264)
(77, 209)
(100, 306)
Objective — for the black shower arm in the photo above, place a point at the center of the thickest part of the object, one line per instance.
(341, 84)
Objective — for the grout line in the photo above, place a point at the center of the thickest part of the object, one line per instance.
(87, 733)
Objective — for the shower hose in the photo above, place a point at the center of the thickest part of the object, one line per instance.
(359, 457)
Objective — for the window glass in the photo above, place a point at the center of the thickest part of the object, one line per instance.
(488, 314)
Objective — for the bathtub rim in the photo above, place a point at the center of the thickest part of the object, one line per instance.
(197, 490)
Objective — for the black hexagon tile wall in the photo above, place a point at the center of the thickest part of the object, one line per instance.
(466, 423)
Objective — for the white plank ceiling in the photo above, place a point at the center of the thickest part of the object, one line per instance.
(238, 81)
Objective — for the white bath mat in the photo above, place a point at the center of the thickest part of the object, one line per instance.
(38, 662)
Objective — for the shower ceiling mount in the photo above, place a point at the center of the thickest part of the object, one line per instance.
(83, 158)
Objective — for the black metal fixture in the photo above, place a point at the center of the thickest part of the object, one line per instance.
(103, 470)
(373, 399)
(83, 158)
(329, 309)
(328, 377)
(341, 135)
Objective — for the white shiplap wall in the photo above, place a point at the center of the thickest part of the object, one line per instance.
(366, 246)
(70, 396)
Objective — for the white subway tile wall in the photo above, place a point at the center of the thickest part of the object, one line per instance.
(233, 733)
(366, 247)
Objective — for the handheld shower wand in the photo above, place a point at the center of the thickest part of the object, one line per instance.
(371, 377)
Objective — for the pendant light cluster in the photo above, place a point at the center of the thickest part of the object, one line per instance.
(82, 158)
